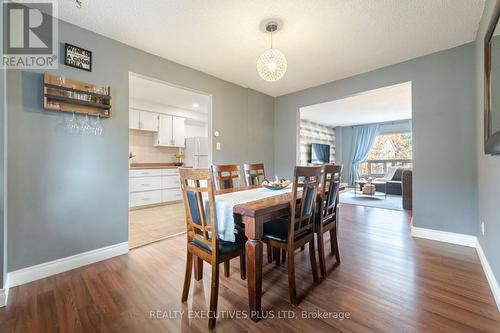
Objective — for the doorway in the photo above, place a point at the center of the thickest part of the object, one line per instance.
(370, 134)
(168, 129)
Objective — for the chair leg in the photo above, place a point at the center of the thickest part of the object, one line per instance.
(283, 256)
(269, 253)
(198, 268)
(302, 248)
(312, 255)
(227, 268)
(321, 251)
(276, 255)
(332, 241)
(337, 249)
(187, 276)
(243, 266)
(214, 295)
(291, 278)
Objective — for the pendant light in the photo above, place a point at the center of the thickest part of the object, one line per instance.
(271, 65)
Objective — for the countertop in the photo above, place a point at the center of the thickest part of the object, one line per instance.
(135, 166)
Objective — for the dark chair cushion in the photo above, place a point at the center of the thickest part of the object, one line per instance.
(224, 246)
(277, 230)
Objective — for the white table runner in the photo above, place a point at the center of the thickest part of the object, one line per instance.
(225, 203)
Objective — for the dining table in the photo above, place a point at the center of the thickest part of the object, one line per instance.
(254, 214)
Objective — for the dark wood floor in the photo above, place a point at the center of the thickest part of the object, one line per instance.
(387, 282)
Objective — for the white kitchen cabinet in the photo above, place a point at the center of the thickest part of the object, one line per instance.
(149, 121)
(153, 186)
(143, 120)
(171, 132)
(134, 119)
(178, 131)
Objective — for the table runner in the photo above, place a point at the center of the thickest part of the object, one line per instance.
(224, 204)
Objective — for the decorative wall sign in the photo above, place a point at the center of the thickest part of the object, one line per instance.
(77, 57)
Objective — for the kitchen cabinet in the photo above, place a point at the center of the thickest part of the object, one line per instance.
(143, 120)
(171, 132)
(153, 186)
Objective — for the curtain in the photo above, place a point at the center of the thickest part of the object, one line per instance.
(363, 139)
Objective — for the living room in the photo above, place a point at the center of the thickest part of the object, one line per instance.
(370, 135)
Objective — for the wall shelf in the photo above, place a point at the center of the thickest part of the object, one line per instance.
(73, 96)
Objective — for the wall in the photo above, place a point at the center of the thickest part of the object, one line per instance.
(488, 167)
(311, 132)
(3, 129)
(141, 144)
(69, 194)
(443, 97)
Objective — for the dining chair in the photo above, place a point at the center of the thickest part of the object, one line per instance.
(198, 193)
(328, 214)
(254, 173)
(298, 230)
(226, 176)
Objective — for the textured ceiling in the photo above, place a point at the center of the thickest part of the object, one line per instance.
(374, 106)
(323, 40)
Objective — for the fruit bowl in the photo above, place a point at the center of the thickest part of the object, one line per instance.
(275, 184)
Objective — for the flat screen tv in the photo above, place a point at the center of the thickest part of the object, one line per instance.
(320, 153)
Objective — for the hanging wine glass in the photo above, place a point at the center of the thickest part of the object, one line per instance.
(98, 128)
(72, 126)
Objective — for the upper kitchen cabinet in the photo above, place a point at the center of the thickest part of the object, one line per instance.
(143, 120)
(171, 132)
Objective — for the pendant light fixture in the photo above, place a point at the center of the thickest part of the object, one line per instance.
(271, 65)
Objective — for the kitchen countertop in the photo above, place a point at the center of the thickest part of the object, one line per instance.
(135, 166)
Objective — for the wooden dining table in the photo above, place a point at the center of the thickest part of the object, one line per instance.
(253, 215)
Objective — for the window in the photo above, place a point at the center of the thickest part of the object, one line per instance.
(388, 150)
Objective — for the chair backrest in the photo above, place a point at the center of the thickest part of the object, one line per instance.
(329, 190)
(307, 180)
(198, 190)
(225, 176)
(254, 173)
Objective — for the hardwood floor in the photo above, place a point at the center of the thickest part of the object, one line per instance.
(151, 224)
(387, 282)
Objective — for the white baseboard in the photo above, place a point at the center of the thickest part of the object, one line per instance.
(444, 236)
(464, 240)
(4, 293)
(41, 271)
(493, 282)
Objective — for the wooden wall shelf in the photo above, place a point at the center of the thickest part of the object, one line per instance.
(76, 97)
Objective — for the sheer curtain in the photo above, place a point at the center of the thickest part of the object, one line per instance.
(363, 139)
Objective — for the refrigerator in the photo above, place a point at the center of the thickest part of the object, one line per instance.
(196, 152)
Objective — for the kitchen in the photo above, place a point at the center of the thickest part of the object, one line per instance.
(168, 128)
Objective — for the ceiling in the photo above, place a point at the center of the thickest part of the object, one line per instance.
(374, 106)
(323, 40)
(153, 91)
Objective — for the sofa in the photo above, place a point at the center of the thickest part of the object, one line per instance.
(394, 185)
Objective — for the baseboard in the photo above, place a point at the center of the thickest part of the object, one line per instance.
(493, 282)
(444, 236)
(4, 293)
(41, 271)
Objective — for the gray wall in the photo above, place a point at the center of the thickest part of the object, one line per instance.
(3, 258)
(69, 194)
(488, 166)
(444, 135)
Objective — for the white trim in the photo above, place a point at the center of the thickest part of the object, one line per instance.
(444, 236)
(495, 289)
(4, 293)
(41, 271)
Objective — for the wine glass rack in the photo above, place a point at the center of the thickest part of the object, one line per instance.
(65, 95)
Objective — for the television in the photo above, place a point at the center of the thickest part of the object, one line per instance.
(320, 153)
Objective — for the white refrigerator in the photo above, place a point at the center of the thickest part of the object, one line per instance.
(196, 152)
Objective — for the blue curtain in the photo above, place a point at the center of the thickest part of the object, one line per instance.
(363, 138)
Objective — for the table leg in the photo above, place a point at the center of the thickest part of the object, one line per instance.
(254, 251)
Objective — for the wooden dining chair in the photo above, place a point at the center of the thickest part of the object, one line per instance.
(328, 214)
(198, 193)
(254, 173)
(227, 176)
(298, 230)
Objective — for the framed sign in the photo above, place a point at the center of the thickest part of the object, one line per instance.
(77, 57)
